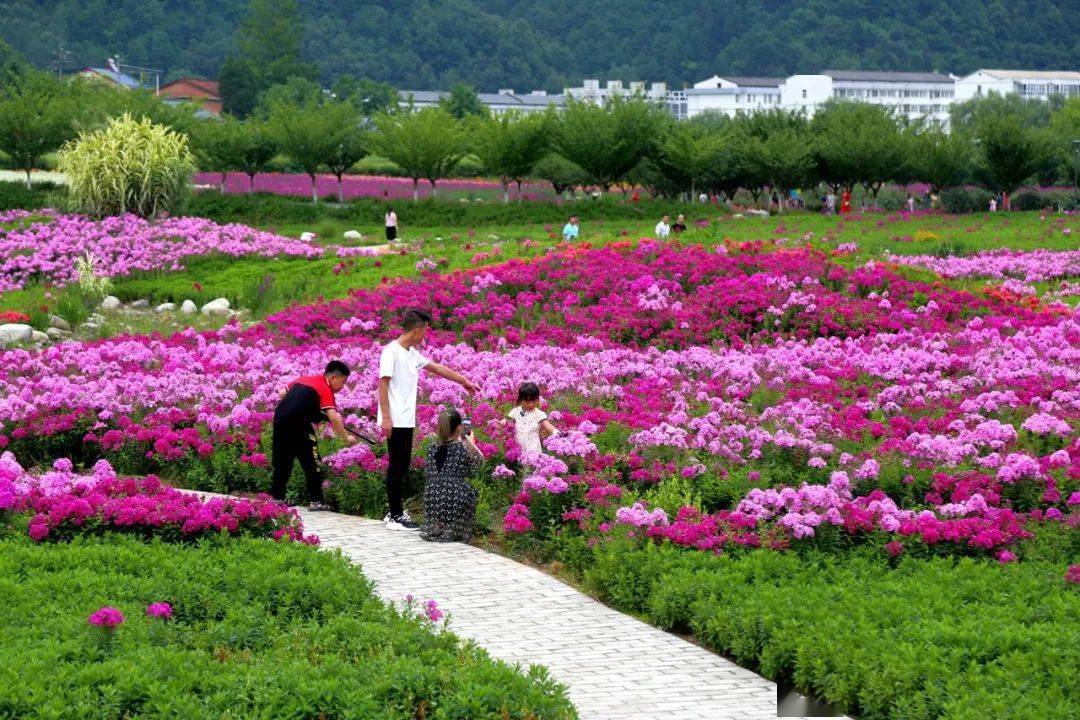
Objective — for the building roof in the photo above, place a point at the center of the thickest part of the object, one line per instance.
(759, 90)
(210, 87)
(882, 76)
(119, 78)
(753, 81)
(1031, 74)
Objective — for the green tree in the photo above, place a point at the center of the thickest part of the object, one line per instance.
(370, 97)
(687, 154)
(463, 102)
(607, 142)
(239, 85)
(561, 173)
(296, 91)
(350, 142)
(509, 145)
(217, 146)
(12, 65)
(856, 143)
(424, 144)
(258, 148)
(939, 158)
(1009, 152)
(788, 159)
(35, 119)
(271, 39)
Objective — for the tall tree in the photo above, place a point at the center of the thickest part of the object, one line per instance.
(938, 158)
(370, 97)
(311, 135)
(239, 85)
(686, 155)
(258, 149)
(271, 39)
(1009, 152)
(607, 142)
(856, 143)
(35, 119)
(349, 141)
(510, 145)
(463, 102)
(217, 146)
(424, 144)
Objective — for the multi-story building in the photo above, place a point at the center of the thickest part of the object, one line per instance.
(908, 94)
(1034, 84)
(732, 95)
(496, 103)
(591, 91)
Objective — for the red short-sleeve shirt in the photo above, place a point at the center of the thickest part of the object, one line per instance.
(319, 385)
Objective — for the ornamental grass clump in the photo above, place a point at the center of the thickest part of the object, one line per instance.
(130, 166)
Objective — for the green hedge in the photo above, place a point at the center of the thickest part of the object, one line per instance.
(15, 196)
(913, 639)
(264, 208)
(965, 200)
(260, 630)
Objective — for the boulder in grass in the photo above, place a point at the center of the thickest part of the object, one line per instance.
(140, 305)
(12, 333)
(353, 235)
(216, 307)
(55, 321)
(40, 338)
(307, 236)
(110, 303)
(166, 307)
(189, 308)
(56, 334)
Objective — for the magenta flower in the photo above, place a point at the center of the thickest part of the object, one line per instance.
(1072, 575)
(160, 610)
(432, 611)
(106, 617)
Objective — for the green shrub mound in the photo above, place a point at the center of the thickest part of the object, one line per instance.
(915, 639)
(260, 630)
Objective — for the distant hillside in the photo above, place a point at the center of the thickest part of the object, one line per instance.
(530, 44)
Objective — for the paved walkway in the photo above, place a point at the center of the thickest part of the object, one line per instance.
(616, 667)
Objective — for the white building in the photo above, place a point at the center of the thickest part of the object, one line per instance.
(732, 95)
(591, 91)
(1034, 84)
(496, 103)
(911, 95)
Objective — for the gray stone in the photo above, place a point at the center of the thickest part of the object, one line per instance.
(307, 236)
(11, 333)
(55, 321)
(110, 303)
(56, 334)
(216, 307)
(188, 307)
(140, 305)
(353, 235)
(166, 307)
(40, 338)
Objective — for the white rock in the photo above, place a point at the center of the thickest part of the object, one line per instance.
(353, 235)
(110, 303)
(188, 307)
(166, 307)
(140, 305)
(40, 338)
(56, 334)
(215, 306)
(11, 333)
(59, 323)
(307, 236)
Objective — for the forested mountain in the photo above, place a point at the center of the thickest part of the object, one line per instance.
(530, 44)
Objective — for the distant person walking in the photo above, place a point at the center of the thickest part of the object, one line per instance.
(399, 374)
(845, 203)
(571, 230)
(663, 229)
(910, 203)
(830, 203)
(391, 225)
(993, 204)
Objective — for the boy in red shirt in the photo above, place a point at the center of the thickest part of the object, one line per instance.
(308, 401)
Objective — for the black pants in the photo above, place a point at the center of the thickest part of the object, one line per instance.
(399, 449)
(293, 441)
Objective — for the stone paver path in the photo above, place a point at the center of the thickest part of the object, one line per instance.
(616, 667)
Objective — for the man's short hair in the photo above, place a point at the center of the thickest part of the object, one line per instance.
(336, 367)
(412, 319)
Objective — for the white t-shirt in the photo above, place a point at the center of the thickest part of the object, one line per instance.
(391, 219)
(527, 428)
(403, 368)
(662, 229)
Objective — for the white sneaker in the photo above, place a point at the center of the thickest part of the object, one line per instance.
(401, 524)
(404, 515)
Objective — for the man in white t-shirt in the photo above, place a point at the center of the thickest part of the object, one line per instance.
(399, 372)
(663, 228)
